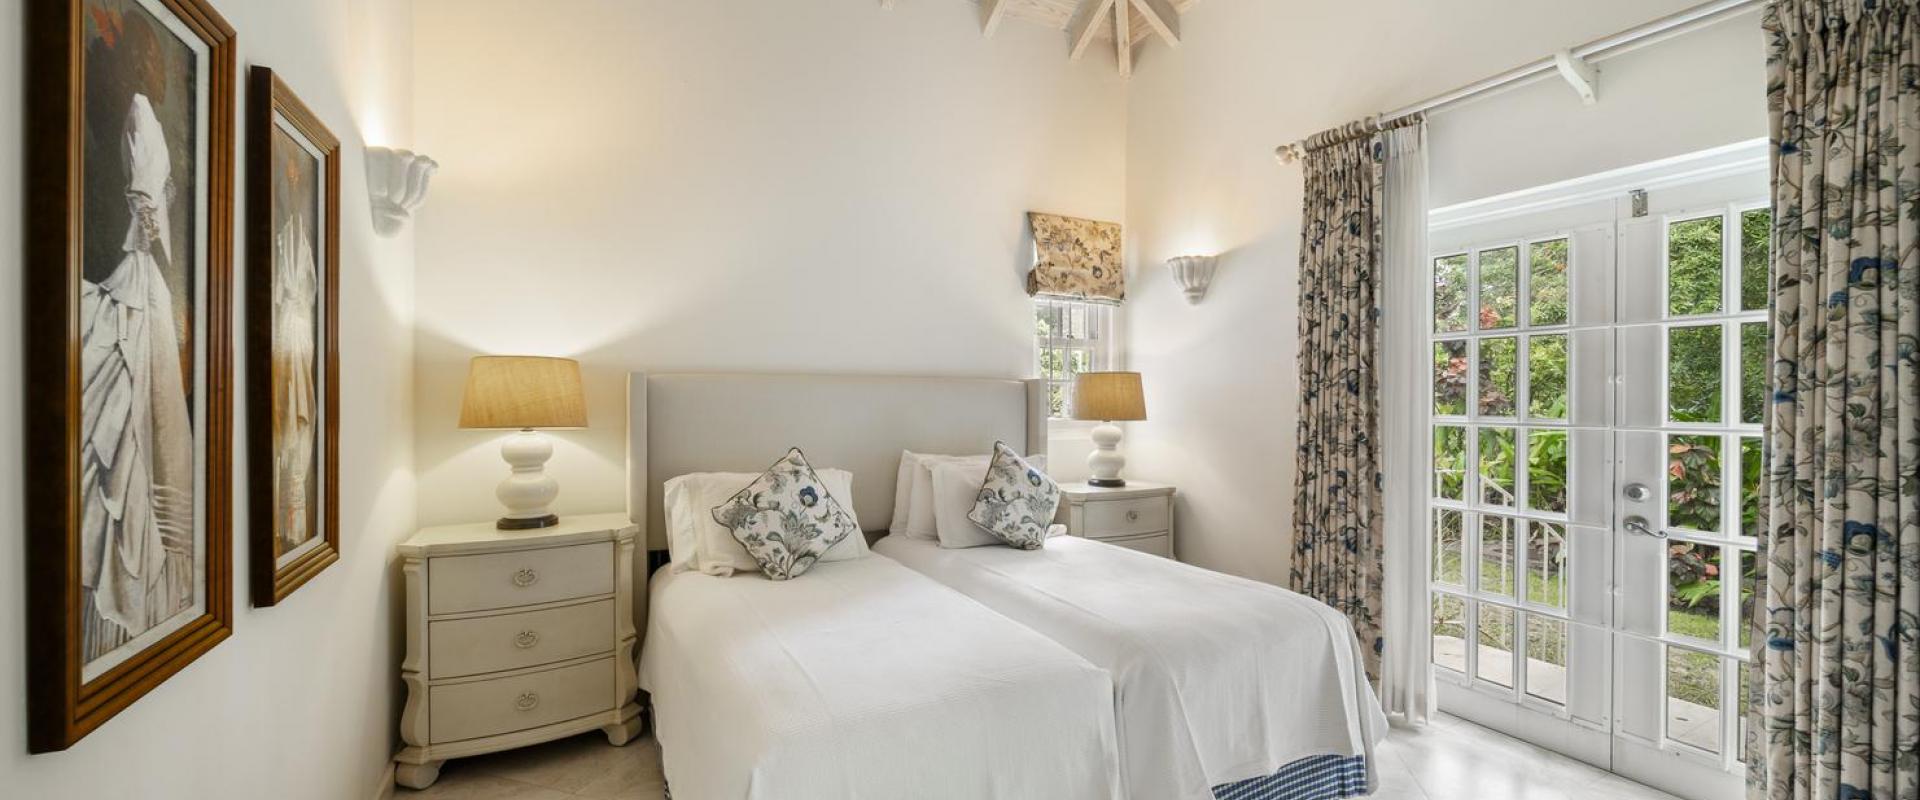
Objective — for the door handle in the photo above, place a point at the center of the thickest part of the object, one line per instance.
(1638, 524)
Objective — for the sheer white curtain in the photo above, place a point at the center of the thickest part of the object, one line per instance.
(1406, 677)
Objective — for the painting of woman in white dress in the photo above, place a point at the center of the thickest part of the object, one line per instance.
(295, 378)
(127, 358)
(294, 234)
(139, 494)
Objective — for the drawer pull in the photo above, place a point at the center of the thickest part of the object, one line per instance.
(526, 701)
(525, 578)
(1133, 515)
(526, 640)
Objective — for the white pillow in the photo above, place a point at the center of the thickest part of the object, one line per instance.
(903, 490)
(920, 522)
(695, 542)
(956, 487)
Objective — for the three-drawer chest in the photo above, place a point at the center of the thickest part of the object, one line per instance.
(1138, 515)
(516, 638)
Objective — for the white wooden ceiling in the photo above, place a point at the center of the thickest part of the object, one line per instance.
(1121, 24)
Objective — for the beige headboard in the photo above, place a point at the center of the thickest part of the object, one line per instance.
(742, 422)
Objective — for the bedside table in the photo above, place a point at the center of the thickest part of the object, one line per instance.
(515, 638)
(1138, 516)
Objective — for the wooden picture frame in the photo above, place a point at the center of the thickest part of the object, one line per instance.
(127, 352)
(293, 366)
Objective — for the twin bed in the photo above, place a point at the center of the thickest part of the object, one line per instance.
(1080, 670)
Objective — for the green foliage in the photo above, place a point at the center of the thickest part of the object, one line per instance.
(1547, 376)
(1753, 372)
(1450, 378)
(1694, 261)
(1450, 294)
(1693, 482)
(1499, 288)
(1693, 373)
(1499, 363)
(1547, 282)
(1755, 236)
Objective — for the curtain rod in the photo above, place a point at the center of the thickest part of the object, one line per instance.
(1633, 38)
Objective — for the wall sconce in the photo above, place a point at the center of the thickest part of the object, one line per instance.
(1193, 274)
(397, 183)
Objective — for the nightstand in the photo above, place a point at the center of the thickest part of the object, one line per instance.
(515, 638)
(1138, 516)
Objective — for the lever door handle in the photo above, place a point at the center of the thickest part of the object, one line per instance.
(1638, 524)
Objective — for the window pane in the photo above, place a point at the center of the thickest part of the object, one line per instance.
(1450, 632)
(1056, 400)
(1499, 287)
(1079, 361)
(1693, 698)
(1693, 482)
(1547, 659)
(1496, 466)
(1694, 266)
(1693, 590)
(1449, 548)
(1052, 366)
(1755, 231)
(1547, 376)
(1693, 373)
(1450, 378)
(1496, 645)
(1753, 372)
(1547, 564)
(1450, 294)
(1547, 282)
(1499, 360)
(1752, 463)
(1043, 319)
(1496, 555)
(1450, 462)
(1749, 584)
(1547, 470)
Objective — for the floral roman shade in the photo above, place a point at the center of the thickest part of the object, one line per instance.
(1076, 258)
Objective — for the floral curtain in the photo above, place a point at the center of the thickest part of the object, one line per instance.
(1077, 258)
(1834, 710)
(1337, 502)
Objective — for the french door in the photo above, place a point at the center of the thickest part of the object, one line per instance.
(1597, 381)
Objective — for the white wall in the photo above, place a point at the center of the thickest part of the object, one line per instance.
(732, 185)
(301, 701)
(1203, 121)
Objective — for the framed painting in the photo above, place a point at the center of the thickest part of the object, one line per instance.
(129, 167)
(293, 244)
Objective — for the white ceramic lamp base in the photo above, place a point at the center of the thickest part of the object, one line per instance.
(528, 492)
(1105, 462)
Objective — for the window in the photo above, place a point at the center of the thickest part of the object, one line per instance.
(1070, 337)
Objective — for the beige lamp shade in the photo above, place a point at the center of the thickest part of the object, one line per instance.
(516, 392)
(1108, 397)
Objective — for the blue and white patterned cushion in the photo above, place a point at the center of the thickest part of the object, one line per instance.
(1017, 502)
(786, 518)
(1327, 777)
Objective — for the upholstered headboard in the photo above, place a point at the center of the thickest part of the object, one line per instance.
(742, 422)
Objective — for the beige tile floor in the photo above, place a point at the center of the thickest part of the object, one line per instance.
(1452, 760)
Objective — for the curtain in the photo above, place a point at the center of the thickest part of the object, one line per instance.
(1406, 676)
(1337, 513)
(1834, 710)
(1076, 258)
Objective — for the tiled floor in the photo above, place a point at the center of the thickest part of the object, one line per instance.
(1452, 760)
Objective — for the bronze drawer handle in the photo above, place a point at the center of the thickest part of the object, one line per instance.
(526, 640)
(527, 701)
(525, 578)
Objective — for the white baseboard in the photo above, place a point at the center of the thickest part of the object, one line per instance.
(385, 792)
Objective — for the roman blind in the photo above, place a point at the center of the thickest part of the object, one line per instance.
(1076, 258)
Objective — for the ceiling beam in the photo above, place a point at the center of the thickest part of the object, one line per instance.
(991, 12)
(1162, 17)
(1123, 39)
(1086, 22)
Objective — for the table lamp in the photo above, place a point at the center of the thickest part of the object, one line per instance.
(1108, 397)
(524, 393)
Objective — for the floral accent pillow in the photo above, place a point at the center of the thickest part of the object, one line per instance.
(1017, 502)
(785, 518)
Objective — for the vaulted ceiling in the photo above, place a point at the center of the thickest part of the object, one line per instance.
(1122, 25)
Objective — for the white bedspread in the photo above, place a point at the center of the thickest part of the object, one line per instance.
(1219, 679)
(864, 679)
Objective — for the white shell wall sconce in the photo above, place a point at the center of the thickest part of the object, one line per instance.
(397, 183)
(1193, 274)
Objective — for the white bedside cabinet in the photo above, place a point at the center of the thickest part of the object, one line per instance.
(1138, 516)
(515, 638)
